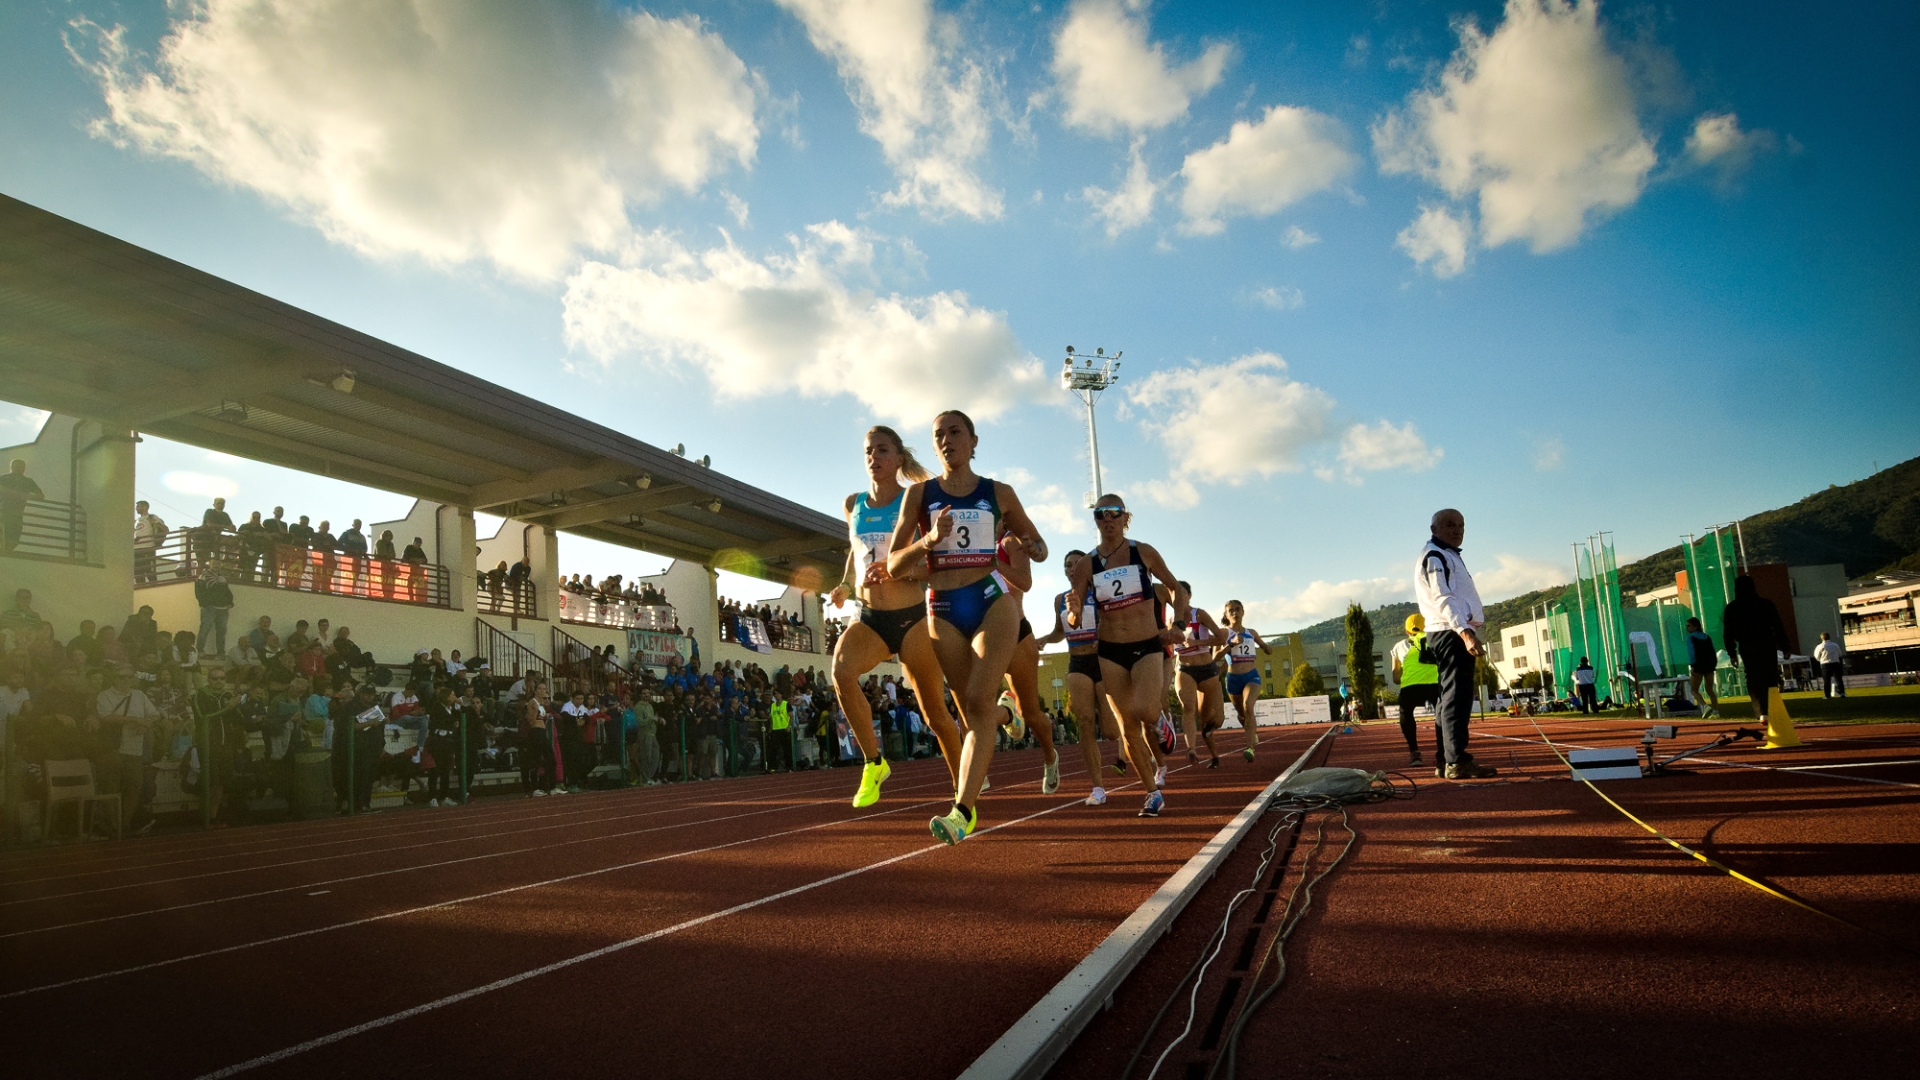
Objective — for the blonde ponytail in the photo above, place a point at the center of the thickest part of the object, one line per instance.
(910, 466)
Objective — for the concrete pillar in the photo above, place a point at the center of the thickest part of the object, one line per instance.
(543, 558)
(457, 550)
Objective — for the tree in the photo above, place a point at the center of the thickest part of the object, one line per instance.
(1529, 681)
(1360, 660)
(1306, 683)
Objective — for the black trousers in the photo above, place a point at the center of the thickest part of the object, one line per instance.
(1589, 698)
(1412, 697)
(1834, 676)
(1455, 707)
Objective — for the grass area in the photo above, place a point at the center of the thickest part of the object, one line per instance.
(1865, 705)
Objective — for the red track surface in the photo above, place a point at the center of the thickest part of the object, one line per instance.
(1528, 929)
(738, 928)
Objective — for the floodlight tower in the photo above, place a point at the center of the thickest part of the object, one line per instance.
(1085, 381)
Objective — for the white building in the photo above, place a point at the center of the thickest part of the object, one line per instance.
(1522, 649)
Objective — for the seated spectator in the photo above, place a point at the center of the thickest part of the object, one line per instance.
(243, 654)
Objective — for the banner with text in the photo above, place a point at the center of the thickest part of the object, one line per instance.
(654, 649)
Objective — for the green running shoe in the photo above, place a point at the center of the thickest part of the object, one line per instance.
(952, 827)
(872, 775)
(1247, 753)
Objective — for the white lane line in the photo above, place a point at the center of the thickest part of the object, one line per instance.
(400, 823)
(466, 899)
(608, 950)
(422, 866)
(1850, 765)
(321, 892)
(356, 854)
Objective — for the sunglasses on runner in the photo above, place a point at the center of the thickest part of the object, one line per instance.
(1109, 513)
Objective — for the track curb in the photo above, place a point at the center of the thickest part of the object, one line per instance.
(1037, 1040)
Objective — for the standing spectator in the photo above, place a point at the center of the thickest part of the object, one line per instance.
(293, 572)
(324, 545)
(213, 713)
(416, 559)
(1702, 661)
(353, 545)
(16, 490)
(204, 543)
(369, 725)
(1833, 673)
(519, 576)
(779, 733)
(126, 723)
(255, 550)
(497, 582)
(276, 530)
(383, 550)
(1583, 678)
(572, 745)
(1451, 607)
(443, 744)
(215, 598)
(1755, 637)
(149, 532)
(643, 727)
(1418, 678)
(537, 764)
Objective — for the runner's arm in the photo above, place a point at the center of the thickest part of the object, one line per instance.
(1157, 566)
(1077, 583)
(908, 543)
(1019, 525)
(1059, 632)
(847, 585)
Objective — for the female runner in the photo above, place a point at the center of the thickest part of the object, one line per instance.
(1090, 711)
(892, 615)
(1118, 578)
(955, 521)
(1022, 701)
(1243, 679)
(1202, 705)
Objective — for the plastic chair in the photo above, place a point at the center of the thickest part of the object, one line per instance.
(72, 781)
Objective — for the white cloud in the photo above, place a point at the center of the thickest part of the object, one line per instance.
(1515, 575)
(1717, 141)
(1296, 238)
(447, 129)
(1131, 204)
(793, 323)
(1273, 418)
(1174, 493)
(1549, 454)
(193, 483)
(737, 208)
(1115, 80)
(1382, 446)
(1437, 240)
(1323, 600)
(1263, 166)
(918, 96)
(1537, 121)
(1279, 297)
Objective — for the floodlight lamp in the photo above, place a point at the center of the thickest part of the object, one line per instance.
(634, 520)
(714, 506)
(1069, 350)
(343, 382)
(643, 481)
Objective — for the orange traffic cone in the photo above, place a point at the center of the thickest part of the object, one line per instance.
(1780, 733)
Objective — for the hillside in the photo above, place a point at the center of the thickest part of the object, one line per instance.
(1869, 525)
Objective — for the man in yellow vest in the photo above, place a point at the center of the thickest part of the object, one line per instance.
(1418, 676)
(779, 742)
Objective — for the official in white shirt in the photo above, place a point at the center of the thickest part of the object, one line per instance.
(1454, 615)
(1832, 672)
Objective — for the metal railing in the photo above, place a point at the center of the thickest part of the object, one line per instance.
(506, 658)
(513, 600)
(47, 529)
(245, 561)
(743, 629)
(585, 609)
(579, 667)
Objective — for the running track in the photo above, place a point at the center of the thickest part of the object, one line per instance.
(1527, 929)
(734, 928)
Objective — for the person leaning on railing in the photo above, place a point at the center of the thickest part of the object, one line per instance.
(16, 490)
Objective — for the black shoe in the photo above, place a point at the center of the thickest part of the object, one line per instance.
(1469, 770)
(1417, 760)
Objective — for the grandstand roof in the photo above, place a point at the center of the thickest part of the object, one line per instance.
(96, 327)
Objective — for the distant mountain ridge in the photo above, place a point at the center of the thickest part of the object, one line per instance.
(1869, 525)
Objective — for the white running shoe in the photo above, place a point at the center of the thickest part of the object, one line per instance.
(1050, 776)
(986, 783)
(1160, 776)
(435, 803)
(1098, 798)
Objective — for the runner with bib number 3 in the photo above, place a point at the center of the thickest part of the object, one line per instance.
(955, 522)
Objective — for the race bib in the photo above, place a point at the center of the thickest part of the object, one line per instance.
(1122, 586)
(872, 551)
(970, 543)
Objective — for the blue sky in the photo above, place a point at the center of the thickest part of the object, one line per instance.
(1568, 268)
